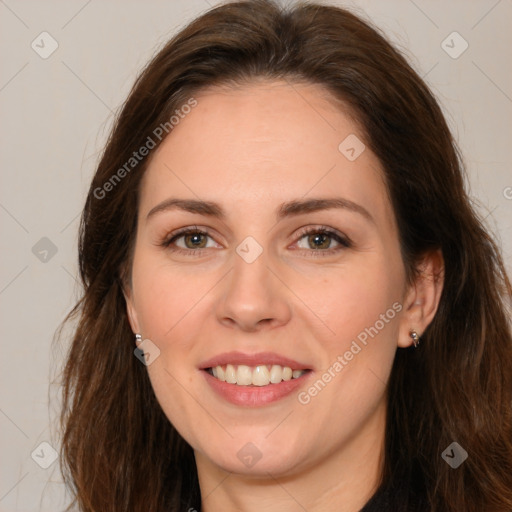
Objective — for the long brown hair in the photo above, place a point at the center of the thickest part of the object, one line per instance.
(119, 451)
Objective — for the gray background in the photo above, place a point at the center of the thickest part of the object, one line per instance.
(55, 115)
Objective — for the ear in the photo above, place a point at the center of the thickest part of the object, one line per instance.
(422, 297)
(130, 308)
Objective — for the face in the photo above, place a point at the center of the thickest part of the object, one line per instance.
(266, 241)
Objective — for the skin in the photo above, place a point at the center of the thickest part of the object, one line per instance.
(250, 150)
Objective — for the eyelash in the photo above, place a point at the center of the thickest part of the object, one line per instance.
(343, 241)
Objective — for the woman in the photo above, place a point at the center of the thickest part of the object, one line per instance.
(279, 224)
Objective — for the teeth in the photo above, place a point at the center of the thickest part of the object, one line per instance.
(243, 376)
(221, 374)
(261, 375)
(276, 374)
(230, 374)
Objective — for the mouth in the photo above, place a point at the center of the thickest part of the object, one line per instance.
(259, 375)
(254, 379)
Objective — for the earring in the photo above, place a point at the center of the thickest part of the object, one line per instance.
(415, 338)
(138, 339)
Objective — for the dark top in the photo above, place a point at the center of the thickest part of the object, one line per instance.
(403, 494)
(397, 500)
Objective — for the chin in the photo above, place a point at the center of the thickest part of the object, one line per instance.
(256, 459)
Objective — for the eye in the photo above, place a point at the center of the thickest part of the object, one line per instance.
(317, 241)
(193, 240)
(322, 240)
(189, 240)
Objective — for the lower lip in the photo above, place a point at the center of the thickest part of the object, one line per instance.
(255, 396)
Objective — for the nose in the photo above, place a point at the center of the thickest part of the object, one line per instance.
(252, 297)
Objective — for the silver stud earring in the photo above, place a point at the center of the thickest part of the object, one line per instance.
(415, 338)
(138, 339)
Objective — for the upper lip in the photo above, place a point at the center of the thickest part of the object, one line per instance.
(260, 358)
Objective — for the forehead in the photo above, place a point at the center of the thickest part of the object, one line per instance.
(267, 115)
(266, 138)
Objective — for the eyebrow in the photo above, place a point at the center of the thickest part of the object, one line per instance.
(288, 209)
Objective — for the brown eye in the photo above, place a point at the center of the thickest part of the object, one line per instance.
(319, 241)
(195, 240)
(322, 241)
(189, 240)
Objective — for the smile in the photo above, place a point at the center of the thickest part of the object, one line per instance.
(260, 375)
(256, 379)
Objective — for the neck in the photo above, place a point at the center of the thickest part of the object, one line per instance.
(344, 481)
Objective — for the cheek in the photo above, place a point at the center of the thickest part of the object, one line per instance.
(360, 309)
(353, 299)
(165, 298)
(168, 306)
(358, 353)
